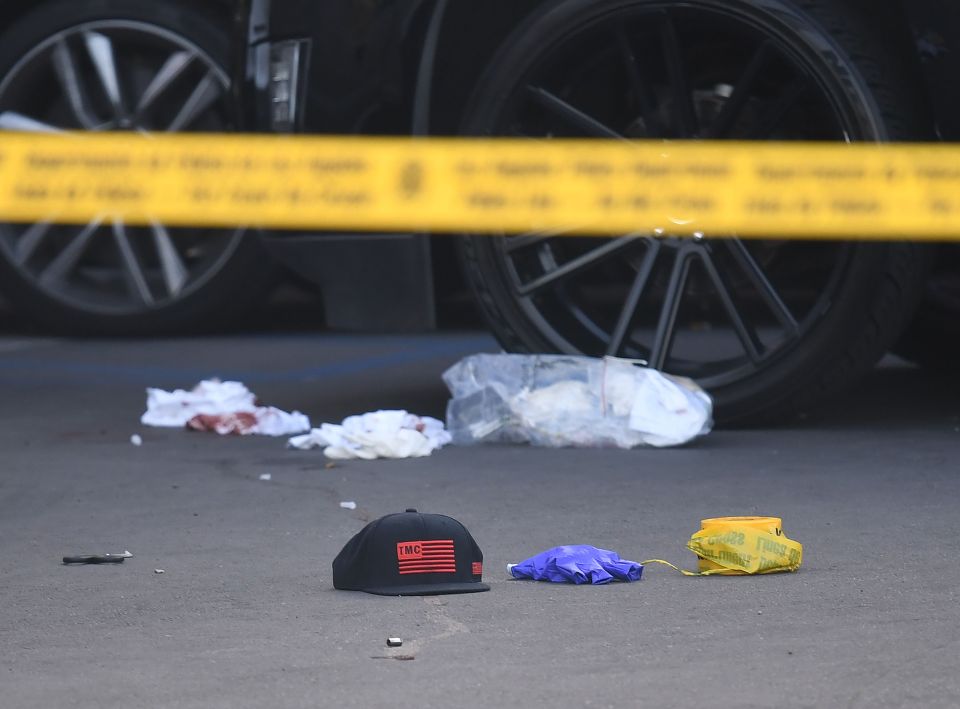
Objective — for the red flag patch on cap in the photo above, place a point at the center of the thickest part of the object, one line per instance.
(434, 556)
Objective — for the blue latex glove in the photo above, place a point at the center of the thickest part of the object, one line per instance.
(577, 564)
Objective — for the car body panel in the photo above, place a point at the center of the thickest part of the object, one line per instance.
(936, 28)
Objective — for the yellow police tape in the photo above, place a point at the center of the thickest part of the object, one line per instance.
(485, 186)
(734, 546)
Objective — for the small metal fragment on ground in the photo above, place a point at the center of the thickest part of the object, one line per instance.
(159, 571)
(136, 440)
(97, 558)
(349, 505)
(266, 477)
(331, 466)
(394, 642)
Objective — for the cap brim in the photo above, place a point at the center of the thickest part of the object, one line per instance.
(429, 589)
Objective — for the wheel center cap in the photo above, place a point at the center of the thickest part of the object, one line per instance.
(675, 241)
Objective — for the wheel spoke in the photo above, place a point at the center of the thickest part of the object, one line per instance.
(764, 287)
(171, 70)
(646, 96)
(685, 113)
(100, 49)
(579, 264)
(66, 70)
(203, 96)
(571, 114)
(772, 117)
(513, 244)
(742, 91)
(175, 271)
(29, 241)
(667, 325)
(11, 120)
(629, 312)
(132, 270)
(67, 260)
(747, 336)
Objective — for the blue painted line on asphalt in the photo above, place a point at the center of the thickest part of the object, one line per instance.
(19, 368)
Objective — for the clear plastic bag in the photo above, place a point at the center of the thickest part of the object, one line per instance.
(558, 400)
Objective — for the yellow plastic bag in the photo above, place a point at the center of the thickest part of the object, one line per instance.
(734, 546)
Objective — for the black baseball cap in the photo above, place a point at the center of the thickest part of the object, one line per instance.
(410, 554)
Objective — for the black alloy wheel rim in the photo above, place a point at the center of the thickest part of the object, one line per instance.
(116, 75)
(717, 310)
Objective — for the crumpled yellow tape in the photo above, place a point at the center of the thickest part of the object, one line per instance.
(729, 548)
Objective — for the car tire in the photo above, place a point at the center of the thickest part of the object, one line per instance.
(131, 65)
(838, 306)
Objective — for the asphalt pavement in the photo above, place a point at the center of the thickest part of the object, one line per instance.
(245, 615)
